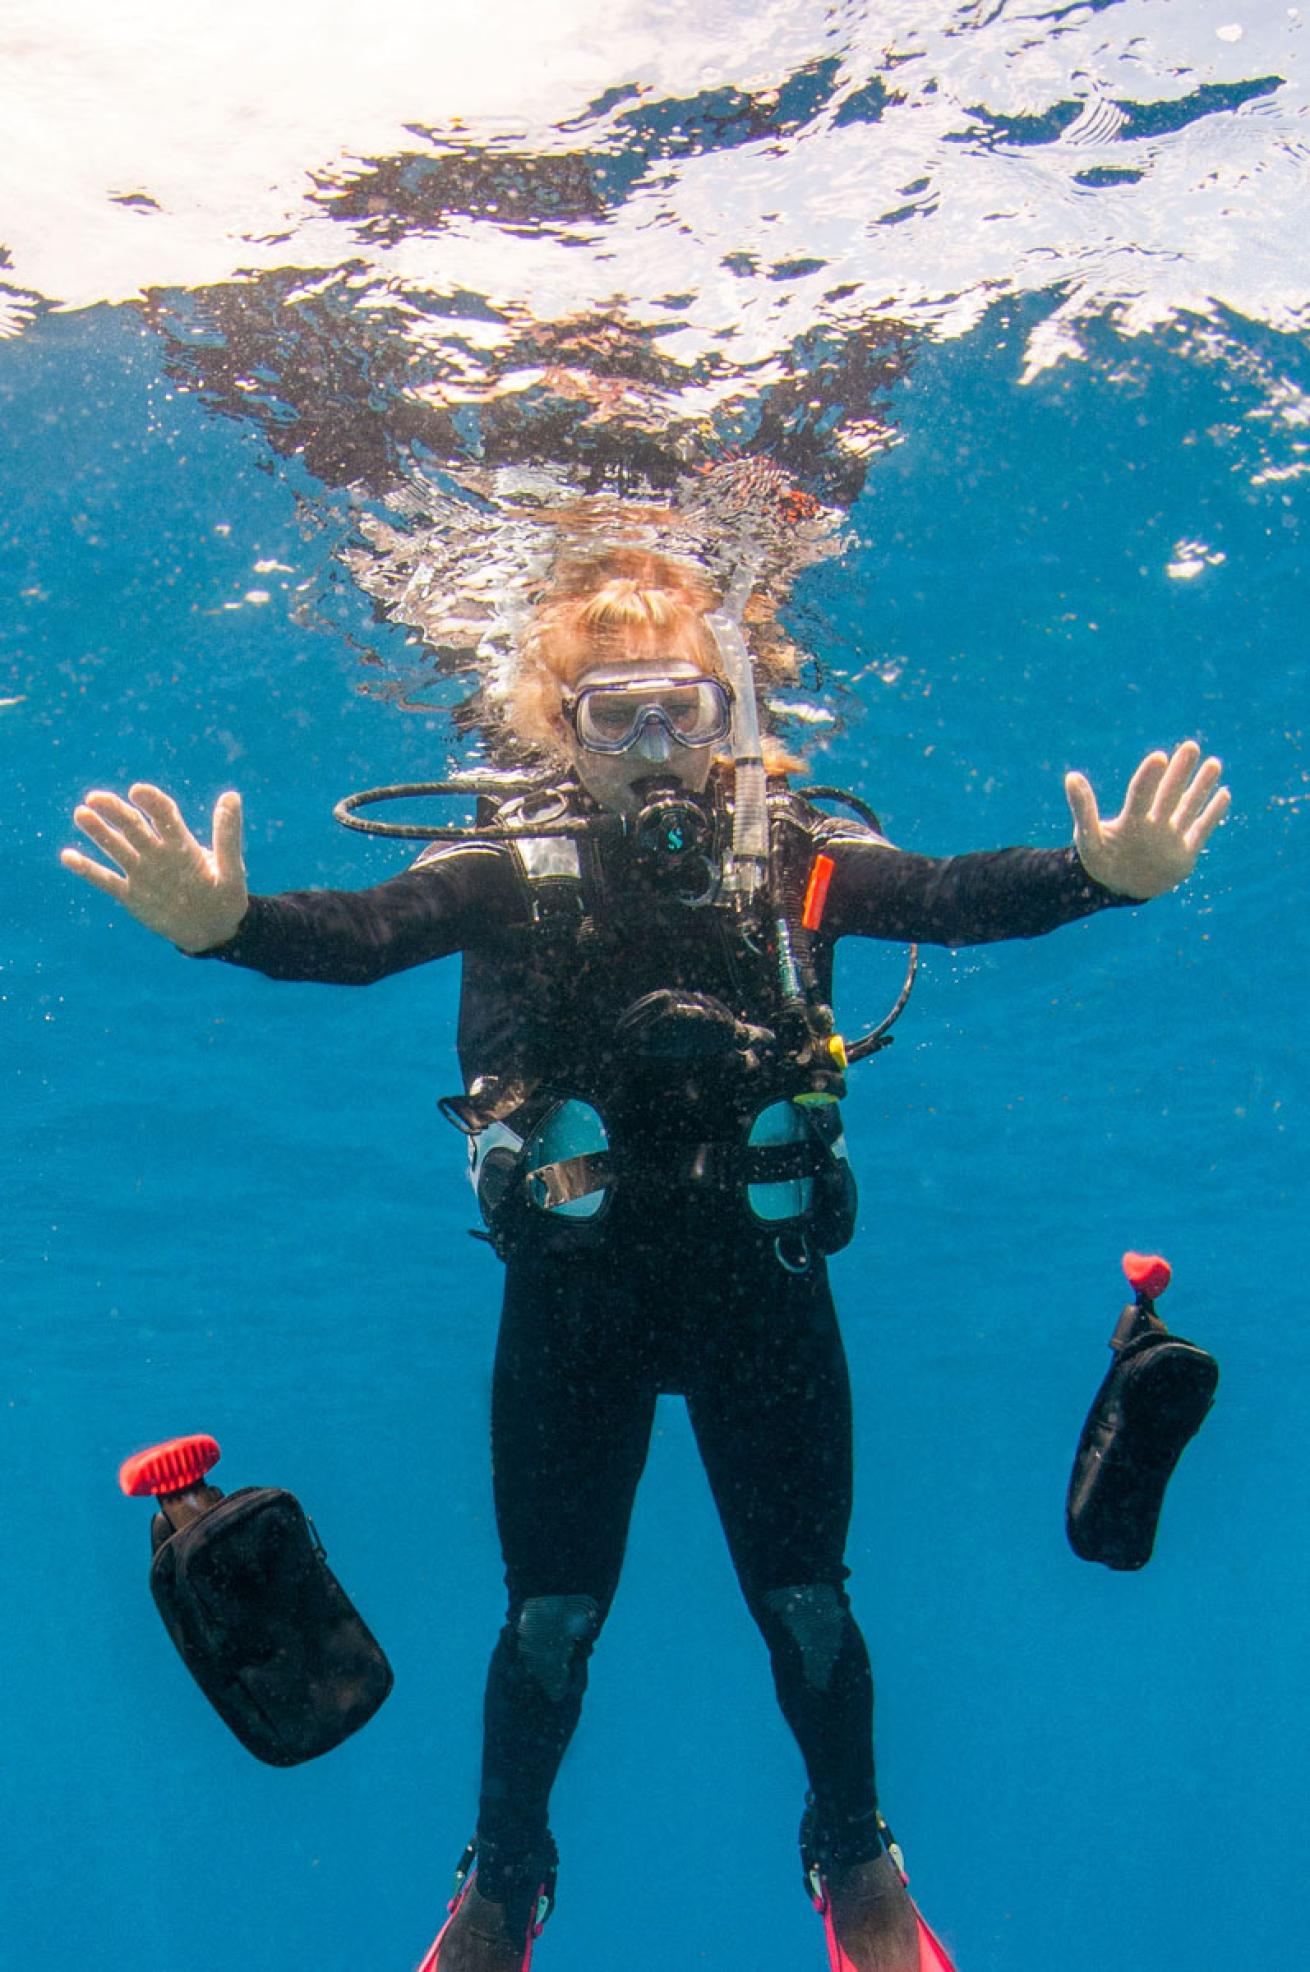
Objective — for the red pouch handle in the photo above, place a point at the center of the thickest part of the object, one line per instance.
(170, 1467)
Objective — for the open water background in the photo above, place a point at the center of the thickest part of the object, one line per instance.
(1076, 513)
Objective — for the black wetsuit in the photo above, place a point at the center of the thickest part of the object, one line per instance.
(678, 1291)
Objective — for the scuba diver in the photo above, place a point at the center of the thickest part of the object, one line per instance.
(651, 1082)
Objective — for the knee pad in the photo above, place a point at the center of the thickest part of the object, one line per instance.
(553, 1635)
(815, 1619)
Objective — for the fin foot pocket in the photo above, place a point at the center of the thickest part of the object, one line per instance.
(464, 1945)
(870, 1921)
(484, 1935)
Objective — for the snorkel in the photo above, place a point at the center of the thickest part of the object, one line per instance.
(746, 865)
(805, 1027)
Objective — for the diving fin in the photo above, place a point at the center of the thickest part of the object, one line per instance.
(540, 1905)
(932, 1953)
(432, 1962)
(1154, 1398)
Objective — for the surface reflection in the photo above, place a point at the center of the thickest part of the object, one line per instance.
(749, 175)
(498, 282)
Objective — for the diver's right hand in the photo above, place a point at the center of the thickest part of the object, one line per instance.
(166, 878)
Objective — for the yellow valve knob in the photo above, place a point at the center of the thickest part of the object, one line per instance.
(837, 1049)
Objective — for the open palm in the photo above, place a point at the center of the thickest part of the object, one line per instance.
(166, 878)
(1172, 808)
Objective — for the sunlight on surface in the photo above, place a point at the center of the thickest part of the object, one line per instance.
(932, 158)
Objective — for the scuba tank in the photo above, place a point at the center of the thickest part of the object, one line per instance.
(258, 1617)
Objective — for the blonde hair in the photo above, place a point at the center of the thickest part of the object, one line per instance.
(623, 606)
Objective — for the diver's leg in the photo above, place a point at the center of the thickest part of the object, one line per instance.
(772, 1416)
(571, 1418)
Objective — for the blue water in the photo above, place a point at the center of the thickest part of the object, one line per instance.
(233, 1207)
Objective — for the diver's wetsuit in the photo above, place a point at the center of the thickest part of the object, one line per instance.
(675, 1290)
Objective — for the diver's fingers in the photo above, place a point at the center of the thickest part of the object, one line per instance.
(227, 835)
(1082, 804)
(1208, 820)
(1142, 787)
(106, 837)
(163, 811)
(129, 821)
(1174, 780)
(109, 881)
(124, 815)
(1195, 797)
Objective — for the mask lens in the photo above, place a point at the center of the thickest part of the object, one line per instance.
(687, 713)
(609, 718)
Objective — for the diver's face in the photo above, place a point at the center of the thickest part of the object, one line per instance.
(616, 780)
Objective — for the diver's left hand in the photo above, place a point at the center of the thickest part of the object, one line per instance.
(1169, 814)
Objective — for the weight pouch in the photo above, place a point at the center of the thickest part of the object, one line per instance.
(1153, 1401)
(266, 1629)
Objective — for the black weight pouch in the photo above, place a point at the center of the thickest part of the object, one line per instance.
(266, 1629)
(1154, 1399)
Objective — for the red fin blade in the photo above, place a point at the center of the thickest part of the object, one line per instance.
(932, 1954)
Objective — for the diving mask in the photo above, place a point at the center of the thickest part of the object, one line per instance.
(612, 718)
